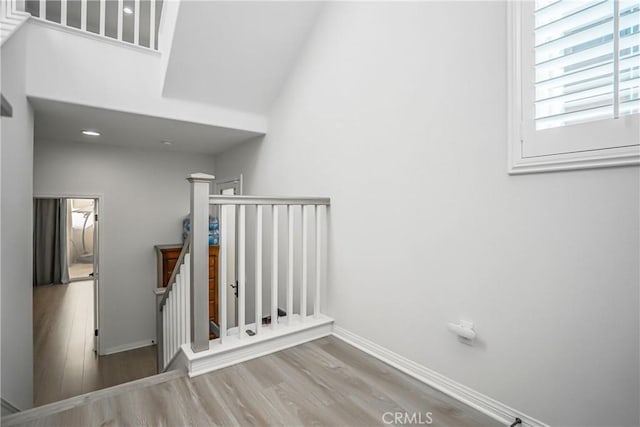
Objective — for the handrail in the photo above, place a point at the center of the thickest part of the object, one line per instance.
(172, 279)
(268, 200)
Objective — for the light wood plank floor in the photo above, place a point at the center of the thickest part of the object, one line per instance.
(324, 382)
(80, 270)
(64, 362)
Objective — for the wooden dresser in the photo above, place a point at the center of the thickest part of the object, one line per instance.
(168, 257)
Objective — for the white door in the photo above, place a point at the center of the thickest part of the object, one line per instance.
(96, 275)
(230, 188)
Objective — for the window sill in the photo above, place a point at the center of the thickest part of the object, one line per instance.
(615, 157)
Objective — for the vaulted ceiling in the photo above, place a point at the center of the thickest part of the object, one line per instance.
(236, 54)
(226, 60)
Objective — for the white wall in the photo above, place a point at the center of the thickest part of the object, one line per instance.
(145, 197)
(400, 117)
(83, 70)
(16, 153)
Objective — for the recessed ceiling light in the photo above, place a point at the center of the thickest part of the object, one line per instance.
(167, 142)
(127, 10)
(90, 132)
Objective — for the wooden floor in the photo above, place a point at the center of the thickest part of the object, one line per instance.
(80, 270)
(324, 382)
(64, 362)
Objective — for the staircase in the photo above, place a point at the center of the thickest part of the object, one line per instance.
(10, 19)
(31, 415)
(183, 315)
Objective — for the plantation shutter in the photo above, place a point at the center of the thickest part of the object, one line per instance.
(587, 60)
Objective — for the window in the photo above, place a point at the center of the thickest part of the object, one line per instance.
(574, 84)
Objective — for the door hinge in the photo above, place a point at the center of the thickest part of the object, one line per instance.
(96, 218)
(95, 332)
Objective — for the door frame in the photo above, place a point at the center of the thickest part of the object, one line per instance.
(219, 185)
(97, 259)
(223, 184)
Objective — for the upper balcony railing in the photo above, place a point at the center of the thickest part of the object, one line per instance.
(130, 21)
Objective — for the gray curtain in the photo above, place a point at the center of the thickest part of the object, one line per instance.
(50, 242)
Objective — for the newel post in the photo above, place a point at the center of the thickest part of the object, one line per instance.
(199, 285)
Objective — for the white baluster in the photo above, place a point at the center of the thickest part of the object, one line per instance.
(174, 311)
(83, 15)
(222, 285)
(316, 303)
(290, 267)
(136, 22)
(274, 270)
(152, 25)
(63, 12)
(120, 20)
(185, 303)
(42, 13)
(305, 263)
(177, 319)
(187, 298)
(242, 279)
(168, 352)
(258, 291)
(168, 310)
(179, 304)
(103, 16)
(172, 321)
(165, 349)
(176, 323)
(183, 307)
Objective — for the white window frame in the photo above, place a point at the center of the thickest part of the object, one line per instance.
(567, 157)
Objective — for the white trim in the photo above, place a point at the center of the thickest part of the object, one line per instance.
(94, 36)
(488, 406)
(629, 156)
(235, 350)
(130, 346)
(223, 184)
(8, 407)
(517, 163)
(11, 23)
(178, 362)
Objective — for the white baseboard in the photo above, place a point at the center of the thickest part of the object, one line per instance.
(479, 401)
(130, 346)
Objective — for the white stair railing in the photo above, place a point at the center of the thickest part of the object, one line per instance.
(129, 20)
(174, 318)
(295, 280)
(183, 312)
(309, 209)
(299, 212)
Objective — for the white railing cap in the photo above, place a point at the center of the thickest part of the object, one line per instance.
(200, 177)
(267, 200)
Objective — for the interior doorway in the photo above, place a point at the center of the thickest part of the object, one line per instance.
(81, 227)
(230, 187)
(66, 250)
